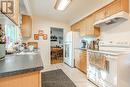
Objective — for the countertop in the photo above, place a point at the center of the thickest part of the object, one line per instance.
(85, 49)
(20, 64)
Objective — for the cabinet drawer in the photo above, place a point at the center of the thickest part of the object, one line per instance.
(26, 26)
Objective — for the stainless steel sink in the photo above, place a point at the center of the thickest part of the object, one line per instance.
(26, 53)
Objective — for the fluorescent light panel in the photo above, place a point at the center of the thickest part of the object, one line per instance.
(62, 4)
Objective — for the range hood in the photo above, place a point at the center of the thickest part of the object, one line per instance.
(118, 17)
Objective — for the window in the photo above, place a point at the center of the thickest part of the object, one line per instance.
(13, 35)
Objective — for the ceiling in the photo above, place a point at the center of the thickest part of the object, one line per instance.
(76, 10)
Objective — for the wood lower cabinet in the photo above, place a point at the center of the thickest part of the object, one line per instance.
(23, 80)
(81, 60)
(77, 58)
(26, 26)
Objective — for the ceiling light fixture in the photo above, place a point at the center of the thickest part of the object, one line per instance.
(62, 4)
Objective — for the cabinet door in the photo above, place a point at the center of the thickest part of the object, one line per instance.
(76, 27)
(22, 80)
(83, 61)
(26, 26)
(125, 5)
(16, 12)
(77, 58)
(84, 27)
(100, 14)
(87, 28)
(113, 8)
(92, 31)
(15, 16)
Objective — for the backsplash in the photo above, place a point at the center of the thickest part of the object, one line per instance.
(119, 32)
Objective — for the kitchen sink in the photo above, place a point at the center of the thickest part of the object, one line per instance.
(26, 53)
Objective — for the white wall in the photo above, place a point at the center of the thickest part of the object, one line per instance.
(116, 32)
(44, 45)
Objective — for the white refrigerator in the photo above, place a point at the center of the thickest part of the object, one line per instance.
(72, 41)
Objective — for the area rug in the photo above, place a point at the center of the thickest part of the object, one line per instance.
(56, 78)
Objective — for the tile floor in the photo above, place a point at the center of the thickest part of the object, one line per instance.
(74, 74)
(56, 61)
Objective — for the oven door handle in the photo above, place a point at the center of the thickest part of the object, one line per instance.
(109, 57)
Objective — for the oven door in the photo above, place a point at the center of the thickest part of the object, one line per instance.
(103, 76)
(110, 75)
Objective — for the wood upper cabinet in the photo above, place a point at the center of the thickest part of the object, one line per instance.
(92, 31)
(15, 16)
(84, 27)
(26, 26)
(16, 12)
(76, 26)
(100, 14)
(117, 6)
(88, 29)
(113, 8)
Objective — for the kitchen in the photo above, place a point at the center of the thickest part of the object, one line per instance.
(95, 45)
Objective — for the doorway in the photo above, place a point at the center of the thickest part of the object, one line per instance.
(56, 39)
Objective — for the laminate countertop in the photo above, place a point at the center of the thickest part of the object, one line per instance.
(20, 64)
(85, 49)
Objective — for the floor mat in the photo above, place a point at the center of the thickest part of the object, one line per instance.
(56, 78)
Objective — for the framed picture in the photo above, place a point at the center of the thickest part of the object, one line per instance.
(45, 36)
(36, 36)
(40, 32)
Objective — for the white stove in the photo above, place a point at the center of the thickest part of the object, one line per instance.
(117, 56)
(114, 46)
